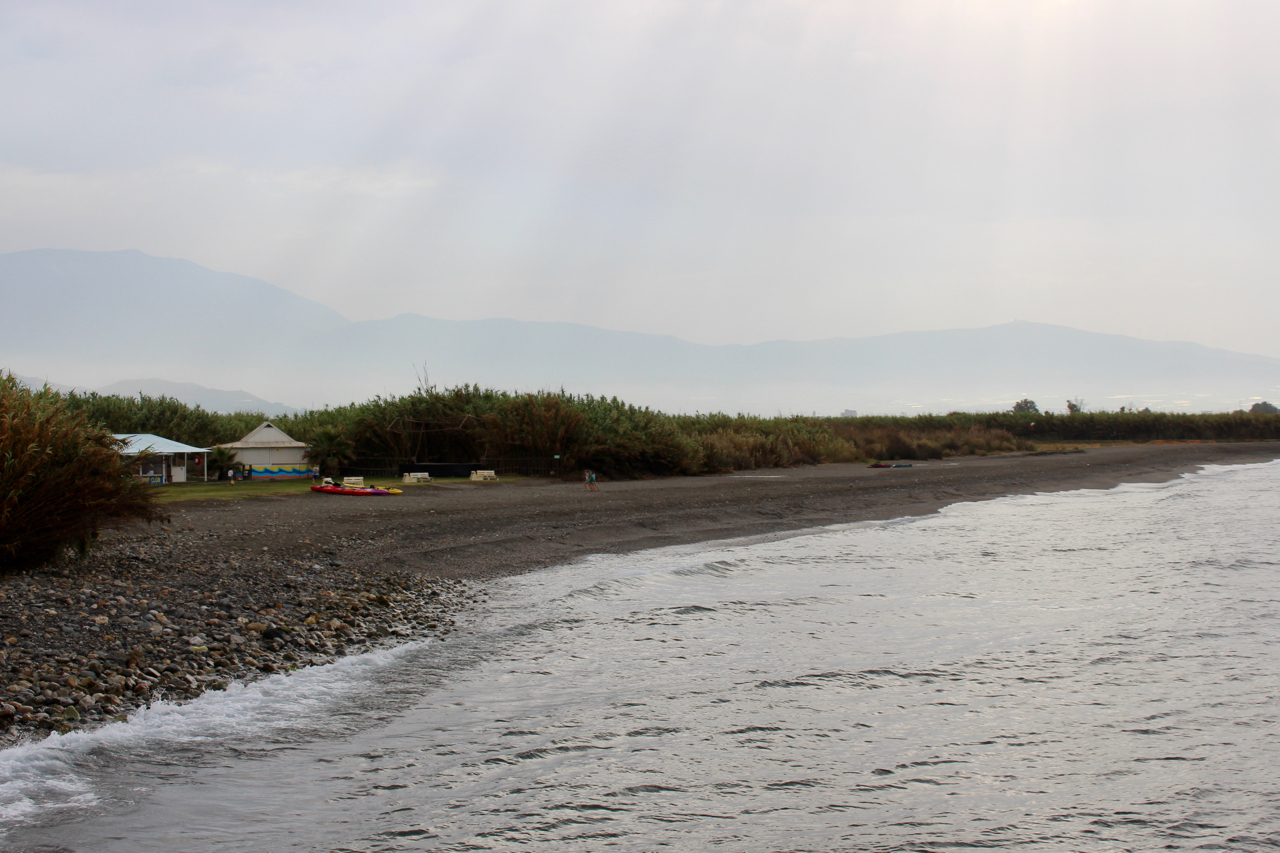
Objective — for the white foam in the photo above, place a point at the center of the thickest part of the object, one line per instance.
(43, 775)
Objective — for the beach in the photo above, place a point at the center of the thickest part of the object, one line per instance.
(235, 590)
(479, 530)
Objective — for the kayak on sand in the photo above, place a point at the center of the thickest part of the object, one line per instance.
(353, 490)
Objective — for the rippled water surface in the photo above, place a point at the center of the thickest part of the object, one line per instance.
(1081, 671)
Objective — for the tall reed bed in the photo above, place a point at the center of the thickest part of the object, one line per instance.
(1099, 426)
(470, 423)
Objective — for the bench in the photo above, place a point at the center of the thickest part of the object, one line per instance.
(483, 475)
(417, 477)
(353, 481)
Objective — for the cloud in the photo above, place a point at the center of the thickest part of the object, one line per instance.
(721, 171)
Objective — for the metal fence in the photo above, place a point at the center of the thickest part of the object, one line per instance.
(524, 467)
(369, 472)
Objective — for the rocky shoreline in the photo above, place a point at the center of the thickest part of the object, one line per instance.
(162, 616)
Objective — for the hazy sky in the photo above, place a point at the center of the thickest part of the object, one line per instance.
(722, 171)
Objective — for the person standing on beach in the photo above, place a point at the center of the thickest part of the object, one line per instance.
(591, 481)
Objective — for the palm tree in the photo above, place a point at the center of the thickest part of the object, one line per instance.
(221, 459)
(330, 448)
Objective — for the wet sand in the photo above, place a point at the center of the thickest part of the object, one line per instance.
(477, 530)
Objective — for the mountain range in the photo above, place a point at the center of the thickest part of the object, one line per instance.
(93, 319)
(209, 399)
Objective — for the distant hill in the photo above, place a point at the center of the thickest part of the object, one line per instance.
(97, 317)
(36, 383)
(93, 317)
(209, 399)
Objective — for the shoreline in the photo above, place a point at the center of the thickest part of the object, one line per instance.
(237, 590)
(479, 531)
(145, 619)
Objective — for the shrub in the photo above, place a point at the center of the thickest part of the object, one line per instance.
(61, 479)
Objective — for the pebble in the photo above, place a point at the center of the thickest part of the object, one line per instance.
(155, 617)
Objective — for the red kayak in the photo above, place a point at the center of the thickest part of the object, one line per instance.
(344, 490)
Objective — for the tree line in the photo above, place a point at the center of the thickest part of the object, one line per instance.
(62, 477)
(469, 423)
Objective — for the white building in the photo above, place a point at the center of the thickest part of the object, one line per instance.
(166, 459)
(270, 454)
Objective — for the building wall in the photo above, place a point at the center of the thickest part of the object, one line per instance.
(272, 456)
(280, 472)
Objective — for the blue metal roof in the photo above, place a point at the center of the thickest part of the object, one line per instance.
(141, 442)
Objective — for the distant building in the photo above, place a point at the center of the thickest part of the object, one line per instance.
(166, 461)
(849, 413)
(269, 454)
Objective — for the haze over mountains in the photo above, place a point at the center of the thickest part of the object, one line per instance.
(209, 399)
(94, 319)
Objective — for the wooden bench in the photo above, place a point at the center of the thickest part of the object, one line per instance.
(353, 481)
(483, 475)
(417, 477)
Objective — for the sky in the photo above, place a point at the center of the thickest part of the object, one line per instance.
(726, 172)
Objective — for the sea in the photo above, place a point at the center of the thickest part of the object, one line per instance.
(1076, 671)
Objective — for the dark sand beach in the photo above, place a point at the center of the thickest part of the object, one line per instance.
(475, 530)
(243, 588)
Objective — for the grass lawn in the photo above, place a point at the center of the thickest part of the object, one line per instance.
(215, 491)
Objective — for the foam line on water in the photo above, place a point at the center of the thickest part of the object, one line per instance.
(43, 775)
